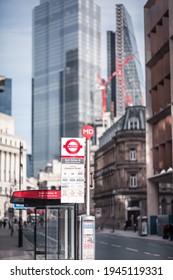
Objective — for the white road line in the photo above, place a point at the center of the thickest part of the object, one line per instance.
(147, 253)
(42, 234)
(117, 246)
(104, 243)
(156, 255)
(131, 249)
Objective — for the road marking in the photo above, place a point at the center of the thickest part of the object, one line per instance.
(156, 255)
(131, 249)
(147, 253)
(30, 229)
(117, 246)
(42, 234)
(104, 243)
(113, 237)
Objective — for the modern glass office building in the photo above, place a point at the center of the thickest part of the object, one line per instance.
(129, 85)
(5, 95)
(111, 88)
(66, 61)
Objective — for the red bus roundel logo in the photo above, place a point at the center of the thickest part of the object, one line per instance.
(72, 146)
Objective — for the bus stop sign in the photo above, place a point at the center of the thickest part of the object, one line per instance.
(87, 131)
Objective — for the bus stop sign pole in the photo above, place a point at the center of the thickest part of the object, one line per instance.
(88, 132)
(86, 222)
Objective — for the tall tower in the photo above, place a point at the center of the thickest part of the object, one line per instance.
(111, 88)
(66, 60)
(130, 84)
(5, 96)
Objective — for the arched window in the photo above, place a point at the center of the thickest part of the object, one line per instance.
(163, 206)
(133, 123)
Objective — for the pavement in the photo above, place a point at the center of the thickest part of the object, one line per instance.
(9, 249)
(133, 234)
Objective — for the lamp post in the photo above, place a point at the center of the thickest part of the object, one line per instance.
(20, 236)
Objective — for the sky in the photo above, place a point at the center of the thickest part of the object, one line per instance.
(16, 50)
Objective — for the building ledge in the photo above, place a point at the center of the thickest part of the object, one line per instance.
(154, 59)
(166, 177)
(160, 115)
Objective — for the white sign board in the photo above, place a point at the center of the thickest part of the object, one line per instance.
(72, 148)
(72, 170)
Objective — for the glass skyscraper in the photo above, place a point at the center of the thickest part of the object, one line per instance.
(66, 61)
(129, 85)
(111, 88)
(5, 96)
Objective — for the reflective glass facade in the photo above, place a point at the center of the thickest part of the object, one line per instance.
(5, 96)
(132, 72)
(111, 89)
(66, 60)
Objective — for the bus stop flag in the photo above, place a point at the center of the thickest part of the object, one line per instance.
(72, 170)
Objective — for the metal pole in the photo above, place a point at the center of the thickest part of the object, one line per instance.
(20, 237)
(88, 175)
(35, 235)
(46, 232)
(66, 234)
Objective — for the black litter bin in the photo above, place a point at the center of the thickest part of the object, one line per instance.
(165, 232)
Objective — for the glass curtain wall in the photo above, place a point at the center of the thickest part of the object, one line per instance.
(66, 60)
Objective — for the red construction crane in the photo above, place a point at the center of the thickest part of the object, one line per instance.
(119, 67)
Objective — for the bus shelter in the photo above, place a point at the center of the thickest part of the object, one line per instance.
(54, 226)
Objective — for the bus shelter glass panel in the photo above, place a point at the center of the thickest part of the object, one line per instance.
(55, 235)
(39, 222)
(60, 233)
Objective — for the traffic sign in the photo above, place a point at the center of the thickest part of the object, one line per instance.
(72, 170)
(72, 148)
(87, 131)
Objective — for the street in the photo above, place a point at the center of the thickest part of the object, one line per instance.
(112, 246)
(115, 247)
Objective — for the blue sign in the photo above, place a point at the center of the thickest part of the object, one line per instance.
(20, 206)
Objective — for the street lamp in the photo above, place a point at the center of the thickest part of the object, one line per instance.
(20, 236)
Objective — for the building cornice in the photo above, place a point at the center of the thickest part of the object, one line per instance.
(164, 112)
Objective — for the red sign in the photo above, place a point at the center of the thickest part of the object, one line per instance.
(87, 131)
(72, 146)
(39, 194)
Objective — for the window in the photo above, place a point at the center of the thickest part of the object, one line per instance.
(133, 203)
(163, 206)
(133, 181)
(132, 154)
(172, 207)
(133, 123)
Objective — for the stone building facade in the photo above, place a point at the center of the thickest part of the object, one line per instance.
(12, 164)
(120, 171)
